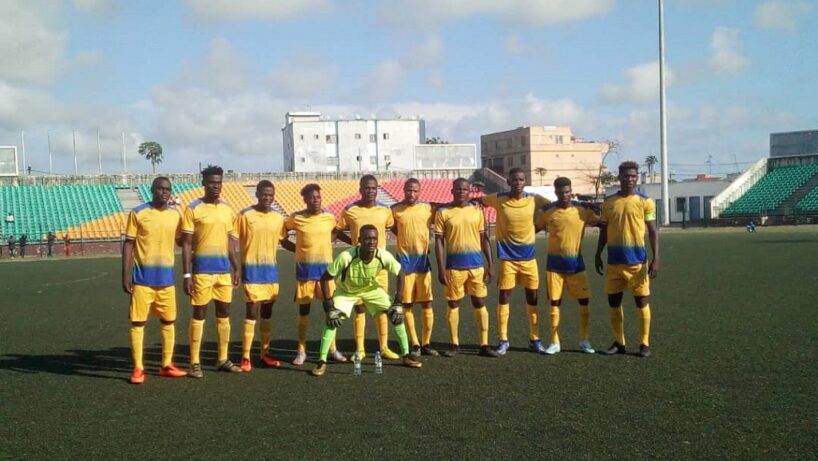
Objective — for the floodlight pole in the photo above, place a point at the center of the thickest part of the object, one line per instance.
(50, 158)
(23, 145)
(74, 140)
(99, 154)
(663, 120)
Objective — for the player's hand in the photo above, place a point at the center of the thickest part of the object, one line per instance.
(443, 277)
(395, 313)
(127, 284)
(598, 264)
(188, 285)
(488, 274)
(334, 319)
(236, 277)
(653, 268)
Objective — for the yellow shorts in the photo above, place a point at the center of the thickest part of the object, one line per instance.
(376, 301)
(462, 281)
(307, 290)
(634, 278)
(577, 285)
(207, 287)
(159, 301)
(260, 292)
(523, 273)
(417, 287)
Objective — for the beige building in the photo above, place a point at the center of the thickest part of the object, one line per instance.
(552, 148)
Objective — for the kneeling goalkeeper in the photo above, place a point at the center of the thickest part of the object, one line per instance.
(355, 272)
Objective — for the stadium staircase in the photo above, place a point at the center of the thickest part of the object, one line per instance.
(386, 198)
(809, 204)
(769, 193)
(791, 203)
(129, 198)
(251, 192)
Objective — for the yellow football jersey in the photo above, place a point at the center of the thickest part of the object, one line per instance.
(355, 216)
(211, 225)
(413, 223)
(515, 224)
(154, 232)
(313, 242)
(625, 217)
(259, 234)
(461, 227)
(566, 227)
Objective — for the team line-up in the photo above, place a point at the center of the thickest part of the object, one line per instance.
(221, 249)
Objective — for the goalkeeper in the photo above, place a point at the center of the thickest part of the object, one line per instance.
(355, 272)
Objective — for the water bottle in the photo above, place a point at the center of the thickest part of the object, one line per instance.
(356, 365)
(378, 363)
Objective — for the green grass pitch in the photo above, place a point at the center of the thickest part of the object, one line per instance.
(734, 373)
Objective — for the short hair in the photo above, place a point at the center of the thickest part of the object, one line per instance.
(212, 170)
(264, 183)
(309, 189)
(411, 181)
(366, 228)
(562, 181)
(458, 181)
(628, 165)
(158, 179)
(365, 178)
(515, 170)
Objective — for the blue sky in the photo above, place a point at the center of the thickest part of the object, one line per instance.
(211, 80)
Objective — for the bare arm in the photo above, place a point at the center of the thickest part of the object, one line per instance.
(344, 237)
(324, 281)
(127, 264)
(232, 250)
(653, 238)
(287, 244)
(399, 288)
(442, 275)
(485, 245)
(603, 240)
(187, 261)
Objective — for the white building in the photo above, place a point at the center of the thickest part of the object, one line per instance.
(314, 143)
(690, 200)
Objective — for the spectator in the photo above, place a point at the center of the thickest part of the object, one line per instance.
(23, 242)
(10, 218)
(66, 244)
(11, 241)
(50, 242)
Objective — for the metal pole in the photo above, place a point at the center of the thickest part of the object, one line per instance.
(74, 140)
(50, 159)
(99, 154)
(663, 119)
(124, 160)
(23, 141)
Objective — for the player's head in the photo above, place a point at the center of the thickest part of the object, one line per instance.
(411, 190)
(368, 188)
(516, 180)
(562, 187)
(212, 181)
(368, 239)
(160, 191)
(265, 193)
(628, 176)
(311, 193)
(460, 191)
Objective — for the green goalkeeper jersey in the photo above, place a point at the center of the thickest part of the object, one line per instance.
(353, 275)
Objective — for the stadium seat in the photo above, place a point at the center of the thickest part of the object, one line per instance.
(771, 191)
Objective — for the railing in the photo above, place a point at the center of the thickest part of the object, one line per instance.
(738, 187)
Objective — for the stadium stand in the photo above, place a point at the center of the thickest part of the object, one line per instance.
(809, 204)
(771, 190)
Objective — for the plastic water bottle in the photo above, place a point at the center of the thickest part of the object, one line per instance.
(378, 363)
(356, 365)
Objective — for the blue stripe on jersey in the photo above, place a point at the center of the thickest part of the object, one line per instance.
(153, 276)
(259, 273)
(627, 255)
(515, 252)
(413, 263)
(464, 260)
(141, 207)
(211, 264)
(565, 264)
(309, 271)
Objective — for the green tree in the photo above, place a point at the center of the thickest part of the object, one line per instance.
(650, 161)
(436, 140)
(541, 172)
(151, 151)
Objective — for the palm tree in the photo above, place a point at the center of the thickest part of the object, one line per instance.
(650, 161)
(151, 151)
(540, 171)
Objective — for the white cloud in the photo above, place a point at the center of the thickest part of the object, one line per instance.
(426, 54)
(780, 14)
(726, 56)
(642, 84)
(96, 7)
(222, 69)
(532, 12)
(383, 80)
(303, 75)
(31, 47)
(513, 45)
(256, 9)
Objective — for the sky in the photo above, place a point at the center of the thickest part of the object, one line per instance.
(211, 80)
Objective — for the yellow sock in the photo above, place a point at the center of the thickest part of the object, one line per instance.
(555, 324)
(481, 315)
(533, 314)
(409, 320)
(502, 320)
(168, 343)
(137, 336)
(644, 316)
(618, 324)
(453, 317)
(382, 322)
(247, 341)
(223, 336)
(428, 323)
(196, 329)
(266, 331)
(303, 323)
(584, 318)
(359, 326)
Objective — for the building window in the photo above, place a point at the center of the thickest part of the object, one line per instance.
(332, 139)
(386, 158)
(315, 137)
(373, 160)
(303, 160)
(522, 160)
(386, 136)
(357, 135)
(508, 142)
(301, 137)
(332, 161)
(496, 145)
(373, 138)
(558, 139)
(510, 162)
(523, 140)
(485, 147)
